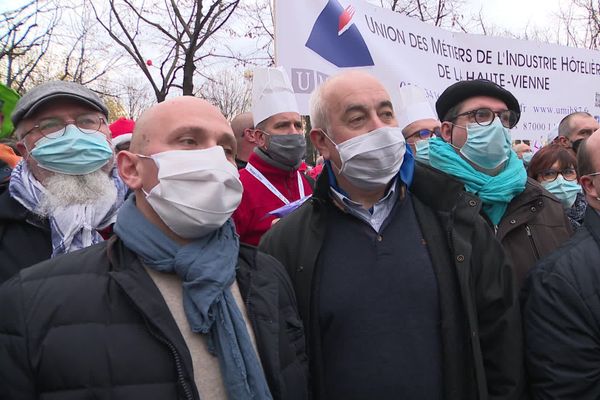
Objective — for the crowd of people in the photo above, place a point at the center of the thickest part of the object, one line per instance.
(183, 256)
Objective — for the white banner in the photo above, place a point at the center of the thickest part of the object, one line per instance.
(318, 38)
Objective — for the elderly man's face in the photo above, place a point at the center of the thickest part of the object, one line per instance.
(61, 109)
(355, 107)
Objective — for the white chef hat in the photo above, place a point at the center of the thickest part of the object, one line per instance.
(272, 94)
(413, 106)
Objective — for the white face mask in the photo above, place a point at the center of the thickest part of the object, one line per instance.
(198, 190)
(372, 160)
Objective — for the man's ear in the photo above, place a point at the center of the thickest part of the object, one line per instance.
(564, 142)
(127, 163)
(320, 142)
(260, 138)
(22, 149)
(446, 131)
(250, 135)
(587, 183)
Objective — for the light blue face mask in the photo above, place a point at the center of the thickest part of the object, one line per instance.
(527, 156)
(73, 153)
(487, 146)
(422, 153)
(566, 191)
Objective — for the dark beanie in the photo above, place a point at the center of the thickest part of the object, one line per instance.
(463, 90)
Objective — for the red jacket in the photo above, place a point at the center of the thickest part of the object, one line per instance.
(251, 219)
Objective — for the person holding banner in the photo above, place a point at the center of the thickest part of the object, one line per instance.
(403, 290)
(273, 186)
(475, 148)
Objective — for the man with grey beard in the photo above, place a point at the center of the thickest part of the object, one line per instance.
(65, 192)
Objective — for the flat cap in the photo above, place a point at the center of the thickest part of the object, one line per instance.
(463, 90)
(48, 91)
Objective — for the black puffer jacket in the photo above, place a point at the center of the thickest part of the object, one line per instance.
(24, 237)
(92, 325)
(561, 318)
(480, 319)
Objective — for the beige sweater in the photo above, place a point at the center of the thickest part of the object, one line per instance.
(207, 373)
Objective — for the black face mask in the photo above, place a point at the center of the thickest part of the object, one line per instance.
(576, 145)
(287, 149)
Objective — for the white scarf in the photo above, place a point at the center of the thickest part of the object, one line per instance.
(73, 227)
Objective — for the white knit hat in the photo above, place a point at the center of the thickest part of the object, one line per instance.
(272, 94)
(413, 106)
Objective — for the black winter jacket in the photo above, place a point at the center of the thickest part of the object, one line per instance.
(92, 325)
(24, 237)
(561, 318)
(480, 319)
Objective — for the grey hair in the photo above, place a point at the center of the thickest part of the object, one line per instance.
(317, 107)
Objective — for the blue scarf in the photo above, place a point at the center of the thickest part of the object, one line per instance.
(495, 192)
(207, 269)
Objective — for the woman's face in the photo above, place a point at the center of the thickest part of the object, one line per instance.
(552, 173)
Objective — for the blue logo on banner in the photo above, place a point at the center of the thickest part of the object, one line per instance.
(337, 39)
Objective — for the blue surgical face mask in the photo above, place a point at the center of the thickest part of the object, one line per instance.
(73, 153)
(527, 156)
(422, 153)
(487, 146)
(566, 191)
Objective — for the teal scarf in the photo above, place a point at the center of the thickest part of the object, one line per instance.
(495, 192)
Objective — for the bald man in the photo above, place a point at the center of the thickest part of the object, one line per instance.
(404, 294)
(157, 311)
(245, 135)
(574, 128)
(561, 308)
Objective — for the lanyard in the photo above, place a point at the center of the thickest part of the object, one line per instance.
(261, 178)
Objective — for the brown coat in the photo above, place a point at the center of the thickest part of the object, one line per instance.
(533, 226)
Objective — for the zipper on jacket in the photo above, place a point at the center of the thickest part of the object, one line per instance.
(495, 230)
(178, 365)
(535, 250)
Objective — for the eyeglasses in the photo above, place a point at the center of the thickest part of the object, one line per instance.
(551, 174)
(423, 134)
(53, 128)
(485, 116)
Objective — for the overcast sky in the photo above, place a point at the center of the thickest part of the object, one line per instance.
(516, 15)
(509, 14)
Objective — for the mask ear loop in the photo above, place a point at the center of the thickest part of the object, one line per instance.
(451, 143)
(157, 166)
(336, 149)
(267, 142)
